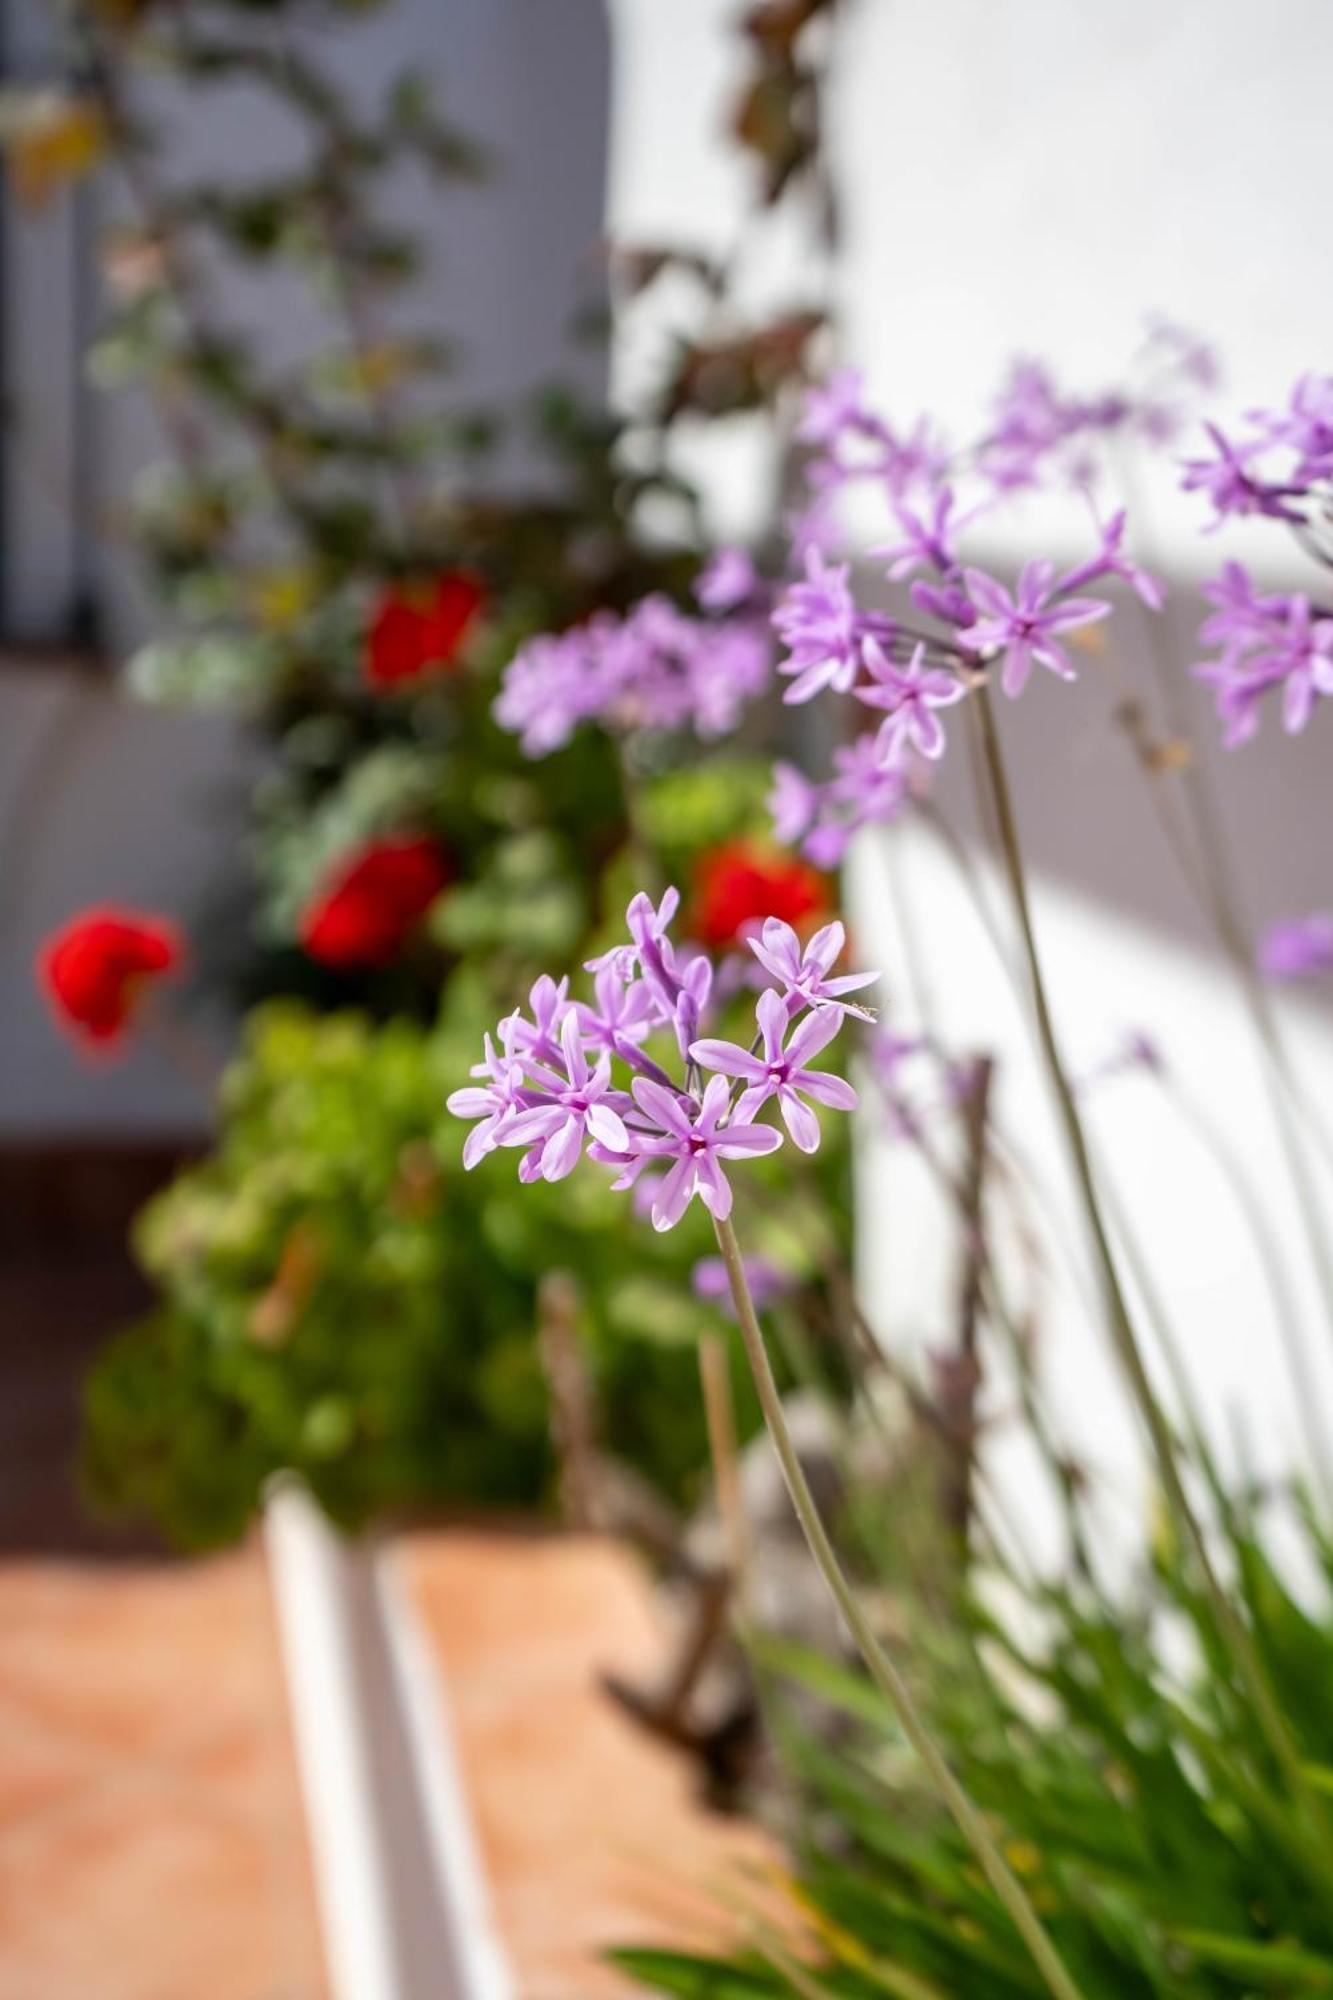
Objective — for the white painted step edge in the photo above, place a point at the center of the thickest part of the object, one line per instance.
(403, 1908)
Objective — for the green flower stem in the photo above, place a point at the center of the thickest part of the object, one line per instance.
(1231, 1627)
(883, 1672)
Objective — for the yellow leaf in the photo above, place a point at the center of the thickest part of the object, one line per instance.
(52, 139)
(280, 597)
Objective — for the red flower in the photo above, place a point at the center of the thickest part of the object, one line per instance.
(374, 898)
(421, 626)
(738, 885)
(93, 970)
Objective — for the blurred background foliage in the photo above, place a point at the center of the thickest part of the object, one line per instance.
(336, 1297)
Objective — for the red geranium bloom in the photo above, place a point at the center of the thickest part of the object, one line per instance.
(421, 626)
(93, 970)
(738, 885)
(373, 899)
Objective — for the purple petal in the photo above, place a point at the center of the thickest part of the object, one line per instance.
(607, 1128)
(714, 1189)
(738, 1139)
(673, 1197)
(825, 947)
(825, 1088)
(799, 1120)
(814, 1033)
(728, 1057)
(663, 1106)
(560, 1154)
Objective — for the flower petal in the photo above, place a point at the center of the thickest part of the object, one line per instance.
(673, 1197)
(799, 1120)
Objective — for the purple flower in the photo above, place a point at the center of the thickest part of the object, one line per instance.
(580, 1106)
(908, 696)
(817, 621)
(696, 1138)
(1023, 626)
(654, 668)
(728, 580)
(925, 539)
(803, 975)
(865, 791)
(779, 1071)
(664, 1142)
(1232, 488)
(1300, 949)
(792, 803)
(1306, 426)
(540, 1037)
(833, 408)
(623, 1017)
(1305, 655)
(1268, 640)
(647, 923)
(1110, 560)
(766, 1282)
(496, 1103)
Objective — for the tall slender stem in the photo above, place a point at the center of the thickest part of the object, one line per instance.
(882, 1669)
(1231, 1627)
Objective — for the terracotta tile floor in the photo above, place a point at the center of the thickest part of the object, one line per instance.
(590, 1832)
(151, 1841)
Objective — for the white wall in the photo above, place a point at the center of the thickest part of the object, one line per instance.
(1032, 178)
(102, 800)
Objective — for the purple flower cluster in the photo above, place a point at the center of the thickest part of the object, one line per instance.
(1269, 641)
(655, 668)
(908, 674)
(1039, 432)
(1281, 468)
(574, 1077)
(1277, 466)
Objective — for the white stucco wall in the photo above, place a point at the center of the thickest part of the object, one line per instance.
(1033, 178)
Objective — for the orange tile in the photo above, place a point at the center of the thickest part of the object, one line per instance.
(591, 1834)
(151, 1839)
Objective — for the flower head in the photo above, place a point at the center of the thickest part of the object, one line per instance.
(420, 628)
(573, 1108)
(695, 1138)
(740, 884)
(779, 1069)
(908, 696)
(665, 1140)
(818, 622)
(803, 972)
(96, 967)
(364, 913)
(1023, 626)
(654, 668)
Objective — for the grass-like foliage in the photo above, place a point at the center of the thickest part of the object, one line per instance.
(1105, 1745)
